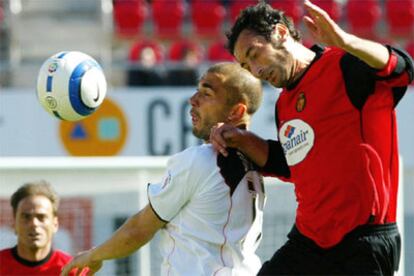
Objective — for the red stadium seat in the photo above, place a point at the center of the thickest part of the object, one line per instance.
(362, 16)
(331, 7)
(400, 17)
(185, 56)
(292, 8)
(168, 17)
(1, 15)
(137, 47)
(180, 48)
(207, 17)
(236, 6)
(217, 51)
(129, 16)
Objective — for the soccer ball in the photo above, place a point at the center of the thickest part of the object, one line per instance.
(71, 85)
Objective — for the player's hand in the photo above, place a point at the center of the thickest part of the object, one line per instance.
(224, 135)
(80, 262)
(323, 28)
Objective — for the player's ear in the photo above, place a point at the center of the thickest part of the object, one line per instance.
(280, 32)
(237, 112)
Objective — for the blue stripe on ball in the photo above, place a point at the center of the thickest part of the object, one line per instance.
(49, 81)
(75, 88)
(62, 55)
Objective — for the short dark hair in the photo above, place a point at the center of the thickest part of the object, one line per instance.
(260, 19)
(241, 86)
(42, 188)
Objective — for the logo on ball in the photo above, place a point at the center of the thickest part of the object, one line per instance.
(51, 102)
(53, 67)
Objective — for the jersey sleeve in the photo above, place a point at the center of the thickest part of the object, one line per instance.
(399, 70)
(169, 196)
(276, 164)
(360, 79)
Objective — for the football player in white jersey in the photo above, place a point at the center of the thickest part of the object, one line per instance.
(208, 208)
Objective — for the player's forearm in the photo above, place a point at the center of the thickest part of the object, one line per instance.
(133, 234)
(254, 147)
(372, 53)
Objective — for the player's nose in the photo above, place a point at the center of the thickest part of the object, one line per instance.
(193, 99)
(256, 70)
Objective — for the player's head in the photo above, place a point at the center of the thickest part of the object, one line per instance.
(226, 93)
(35, 215)
(261, 40)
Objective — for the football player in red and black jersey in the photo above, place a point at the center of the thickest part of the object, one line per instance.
(35, 223)
(337, 139)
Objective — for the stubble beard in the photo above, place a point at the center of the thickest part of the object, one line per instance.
(201, 134)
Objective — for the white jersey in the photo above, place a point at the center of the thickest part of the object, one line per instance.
(214, 209)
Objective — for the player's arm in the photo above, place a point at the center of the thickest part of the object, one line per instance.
(326, 31)
(267, 154)
(133, 234)
(253, 146)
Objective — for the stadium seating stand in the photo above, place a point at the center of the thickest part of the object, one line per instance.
(207, 17)
(129, 16)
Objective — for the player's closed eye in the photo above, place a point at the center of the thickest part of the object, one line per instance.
(205, 93)
(26, 216)
(254, 55)
(41, 217)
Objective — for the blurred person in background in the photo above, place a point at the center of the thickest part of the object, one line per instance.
(337, 139)
(185, 72)
(35, 206)
(208, 208)
(146, 72)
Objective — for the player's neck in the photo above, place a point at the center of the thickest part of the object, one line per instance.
(33, 255)
(302, 63)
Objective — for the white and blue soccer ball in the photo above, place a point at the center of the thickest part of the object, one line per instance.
(71, 85)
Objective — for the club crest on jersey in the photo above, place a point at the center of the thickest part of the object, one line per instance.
(297, 139)
(301, 102)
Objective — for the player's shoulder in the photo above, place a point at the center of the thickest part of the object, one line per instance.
(6, 261)
(331, 50)
(326, 56)
(5, 252)
(200, 151)
(61, 256)
(194, 155)
(332, 55)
